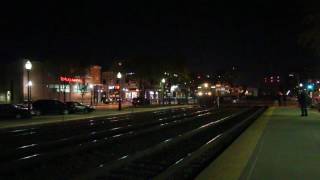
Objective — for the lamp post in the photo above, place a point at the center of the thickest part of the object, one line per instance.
(163, 81)
(28, 67)
(91, 89)
(119, 76)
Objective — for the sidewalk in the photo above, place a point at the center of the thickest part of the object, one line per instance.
(279, 145)
(40, 120)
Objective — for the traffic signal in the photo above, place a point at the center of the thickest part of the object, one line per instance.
(310, 87)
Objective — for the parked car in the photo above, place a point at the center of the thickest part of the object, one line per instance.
(25, 106)
(13, 111)
(47, 106)
(107, 100)
(140, 101)
(76, 107)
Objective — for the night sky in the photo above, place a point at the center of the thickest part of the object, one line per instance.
(253, 36)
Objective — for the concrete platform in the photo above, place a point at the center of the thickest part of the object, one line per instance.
(279, 145)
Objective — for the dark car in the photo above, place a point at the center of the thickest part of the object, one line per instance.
(140, 101)
(76, 107)
(107, 100)
(41, 107)
(13, 111)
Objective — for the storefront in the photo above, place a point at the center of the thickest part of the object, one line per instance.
(48, 83)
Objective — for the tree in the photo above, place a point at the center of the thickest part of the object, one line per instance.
(310, 37)
(149, 70)
(310, 40)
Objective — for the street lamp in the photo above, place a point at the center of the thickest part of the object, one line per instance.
(28, 67)
(163, 81)
(300, 85)
(119, 76)
(91, 89)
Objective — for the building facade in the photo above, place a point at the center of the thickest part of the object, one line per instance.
(50, 82)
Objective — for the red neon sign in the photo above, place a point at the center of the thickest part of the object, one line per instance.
(70, 80)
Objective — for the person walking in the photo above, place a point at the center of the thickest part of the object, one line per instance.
(218, 101)
(303, 102)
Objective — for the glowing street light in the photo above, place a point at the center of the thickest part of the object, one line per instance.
(91, 86)
(300, 85)
(91, 94)
(163, 81)
(28, 67)
(119, 76)
(29, 84)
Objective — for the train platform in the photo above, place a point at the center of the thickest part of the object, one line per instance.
(279, 145)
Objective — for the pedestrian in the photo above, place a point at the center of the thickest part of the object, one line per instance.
(218, 102)
(303, 102)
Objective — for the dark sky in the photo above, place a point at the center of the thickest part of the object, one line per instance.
(210, 34)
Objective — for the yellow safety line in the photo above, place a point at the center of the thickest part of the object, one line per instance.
(231, 163)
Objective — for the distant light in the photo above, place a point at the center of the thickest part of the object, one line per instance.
(291, 75)
(91, 86)
(28, 65)
(208, 76)
(310, 86)
(119, 75)
(163, 80)
(174, 87)
(206, 85)
(300, 85)
(288, 92)
(318, 82)
(199, 87)
(213, 87)
(29, 83)
(200, 93)
(209, 93)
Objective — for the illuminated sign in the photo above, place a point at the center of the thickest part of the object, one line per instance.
(70, 80)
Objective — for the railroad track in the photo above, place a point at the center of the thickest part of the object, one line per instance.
(179, 158)
(36, 157)
(66, 161)
(84, 125)
(35, 149)
(24, 138)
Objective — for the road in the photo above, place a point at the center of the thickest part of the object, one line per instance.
(84, 149)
